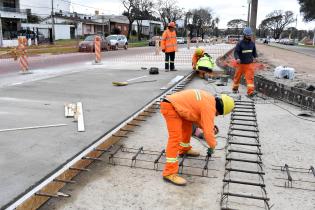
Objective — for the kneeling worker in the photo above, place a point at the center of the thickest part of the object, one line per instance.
(180, 111)
(202, 62)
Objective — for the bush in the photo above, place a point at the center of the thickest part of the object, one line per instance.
(133, 32)
(116, 31)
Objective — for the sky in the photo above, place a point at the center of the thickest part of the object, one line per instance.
(224, 9)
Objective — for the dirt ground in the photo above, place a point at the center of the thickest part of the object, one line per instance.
(303, 64)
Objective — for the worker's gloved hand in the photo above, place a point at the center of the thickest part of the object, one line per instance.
(216, 130)
(210, 151)
(238, 61)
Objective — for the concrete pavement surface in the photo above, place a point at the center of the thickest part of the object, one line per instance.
(285, 139)
(38, 99)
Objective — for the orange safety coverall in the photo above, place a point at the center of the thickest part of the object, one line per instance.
(169, 41)
(195, 59)
(248, 71)
(184, 109)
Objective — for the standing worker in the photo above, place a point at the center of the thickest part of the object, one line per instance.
(169, 46)
(245, 54)
(180, 111)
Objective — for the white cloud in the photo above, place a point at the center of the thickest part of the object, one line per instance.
(225, 9)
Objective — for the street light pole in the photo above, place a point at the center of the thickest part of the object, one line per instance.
(52, 22)
(248, 13)
(1, 36)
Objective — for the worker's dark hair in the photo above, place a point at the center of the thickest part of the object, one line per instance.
(219, 105)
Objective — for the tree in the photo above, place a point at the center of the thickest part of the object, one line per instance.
(143, 9)
(237, 25)
(169, 11)
(130, 13)
(277, 21)
(200, 21)
(308, 9)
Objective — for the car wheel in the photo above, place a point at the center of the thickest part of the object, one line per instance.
(126, 46)
(116, 47)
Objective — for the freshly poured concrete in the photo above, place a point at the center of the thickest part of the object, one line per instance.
(27, 156)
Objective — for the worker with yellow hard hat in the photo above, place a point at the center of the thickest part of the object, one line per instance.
(202, 62)
(183, 109)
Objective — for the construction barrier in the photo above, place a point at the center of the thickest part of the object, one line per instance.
(23, 59)
(157, 47)
(97, 42)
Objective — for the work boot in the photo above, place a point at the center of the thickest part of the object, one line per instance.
(251, 95)
(191, 153)
(174, 70)
(175, 179)
(235, 91)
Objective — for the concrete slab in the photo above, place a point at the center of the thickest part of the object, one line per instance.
(284, 139)
(28, 156)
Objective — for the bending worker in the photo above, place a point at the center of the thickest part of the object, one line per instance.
(180, 111)
(202, 62)
(169, 46)
(245, 54)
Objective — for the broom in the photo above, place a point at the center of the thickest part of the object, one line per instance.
(127, 82)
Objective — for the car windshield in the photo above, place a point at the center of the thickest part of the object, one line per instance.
(89, 38)
(112, 37)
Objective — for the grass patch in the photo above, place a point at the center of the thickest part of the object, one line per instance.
(138, 44)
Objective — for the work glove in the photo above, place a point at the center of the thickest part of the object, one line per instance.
(210, 151)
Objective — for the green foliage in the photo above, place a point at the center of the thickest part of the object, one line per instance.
(308, 9)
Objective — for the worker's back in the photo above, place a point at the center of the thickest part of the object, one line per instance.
(189, 104)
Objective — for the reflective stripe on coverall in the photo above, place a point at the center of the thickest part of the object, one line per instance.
(169, 41)
(186, 107)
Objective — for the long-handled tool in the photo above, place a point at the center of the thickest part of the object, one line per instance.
(128, 82)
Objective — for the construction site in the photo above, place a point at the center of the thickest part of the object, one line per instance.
(88, 131)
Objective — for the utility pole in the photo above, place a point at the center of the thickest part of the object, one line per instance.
(248, 13)
(103, 22)
(52, 22)
(253, 15)
(314, 38)
(1, 37)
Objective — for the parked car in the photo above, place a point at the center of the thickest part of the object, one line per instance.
(180, 40)
(88, 45)
(194, 39)
(117, 41)
(153, 40)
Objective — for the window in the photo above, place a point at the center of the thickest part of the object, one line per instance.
(9, 3)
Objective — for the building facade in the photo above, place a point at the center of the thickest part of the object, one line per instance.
(10, 20)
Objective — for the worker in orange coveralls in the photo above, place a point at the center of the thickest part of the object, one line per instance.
(169, 46)
(180, 111)
(245, 55)
(203, 63)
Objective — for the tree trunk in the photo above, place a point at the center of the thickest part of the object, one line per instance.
(139, 25)
(129, 29)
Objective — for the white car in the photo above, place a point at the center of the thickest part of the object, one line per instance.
(117, 41)
(180, 40)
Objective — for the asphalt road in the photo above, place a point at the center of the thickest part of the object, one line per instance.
(48, 61)
(299, 49)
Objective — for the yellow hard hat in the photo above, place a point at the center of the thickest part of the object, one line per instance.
(228, 104)
(199, 51)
